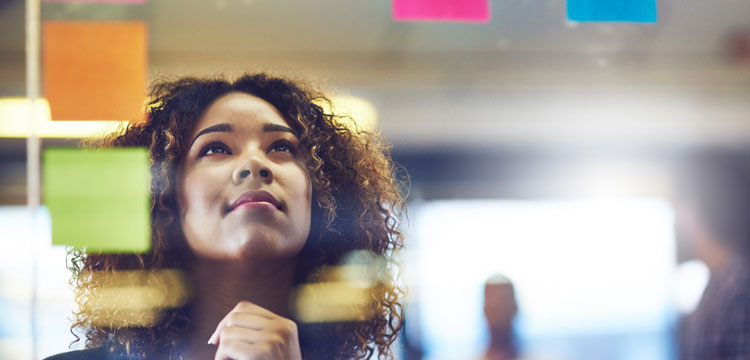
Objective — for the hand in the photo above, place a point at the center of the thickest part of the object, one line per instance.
(252, 332)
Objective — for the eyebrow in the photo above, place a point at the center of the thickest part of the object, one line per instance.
(224, 127)
(215, 128)
(275, 127)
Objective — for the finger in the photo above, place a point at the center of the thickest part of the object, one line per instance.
(243, 307)
(232, 350)
(232, 333)
(248, 307)
(281, 328)
(213, 340)
(239, 350)
(249, 321)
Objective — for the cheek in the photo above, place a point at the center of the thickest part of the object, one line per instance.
(196, 193)
(308, 195)
(188, 194)
(303, 197)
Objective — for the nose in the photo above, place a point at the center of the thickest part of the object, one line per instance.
(252, 169)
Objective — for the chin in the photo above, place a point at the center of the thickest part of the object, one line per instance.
(248, 246)
(265, 248)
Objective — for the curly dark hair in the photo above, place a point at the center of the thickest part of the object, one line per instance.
(358, 205)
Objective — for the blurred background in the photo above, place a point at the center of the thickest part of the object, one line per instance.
(538, 148)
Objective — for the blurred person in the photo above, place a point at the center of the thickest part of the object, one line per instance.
(712, 224)
(500, 309)
(254, 190)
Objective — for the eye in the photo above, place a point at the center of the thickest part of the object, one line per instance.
(282, 146)
(215, 148)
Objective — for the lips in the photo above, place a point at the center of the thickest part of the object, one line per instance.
(255, 197)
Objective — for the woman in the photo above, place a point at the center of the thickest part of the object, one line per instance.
(255, 191)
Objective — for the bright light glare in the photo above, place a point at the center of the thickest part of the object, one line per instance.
(55, 301)
(15, 116)
(612, 180)
(579, 268)
(332, 301)
(361, 111)
(692, 278)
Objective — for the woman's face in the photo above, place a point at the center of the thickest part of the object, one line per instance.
(244, 193)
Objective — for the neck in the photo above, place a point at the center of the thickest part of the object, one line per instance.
(218, 286)
(501, 345)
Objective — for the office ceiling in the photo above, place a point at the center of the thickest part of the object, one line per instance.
(528, 77)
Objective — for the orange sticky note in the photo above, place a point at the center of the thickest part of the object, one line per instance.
(94, 70)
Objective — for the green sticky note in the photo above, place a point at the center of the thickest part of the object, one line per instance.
(98, 199)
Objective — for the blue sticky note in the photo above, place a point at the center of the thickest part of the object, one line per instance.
(612, 10)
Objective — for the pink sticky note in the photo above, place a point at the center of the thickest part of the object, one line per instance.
(442, 10)
(99, 1)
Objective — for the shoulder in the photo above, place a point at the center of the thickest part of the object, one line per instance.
(95, 353)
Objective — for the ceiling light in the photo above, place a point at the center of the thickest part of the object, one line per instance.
(16, 115)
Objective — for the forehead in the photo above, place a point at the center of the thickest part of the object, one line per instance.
(497, 289)
(240, 110)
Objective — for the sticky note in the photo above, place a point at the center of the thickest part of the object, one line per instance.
(134, 297)
(99, 1)
(94, 70)
(98, 199)
(442, 10)
(612, 10)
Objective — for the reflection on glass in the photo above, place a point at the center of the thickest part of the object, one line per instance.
(592, 278)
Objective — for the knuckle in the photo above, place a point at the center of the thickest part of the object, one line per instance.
(275, 341)
(289, 330)
(226, 332)
(244, 304)
(232, 319)
(223, 334)
(284, 332)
